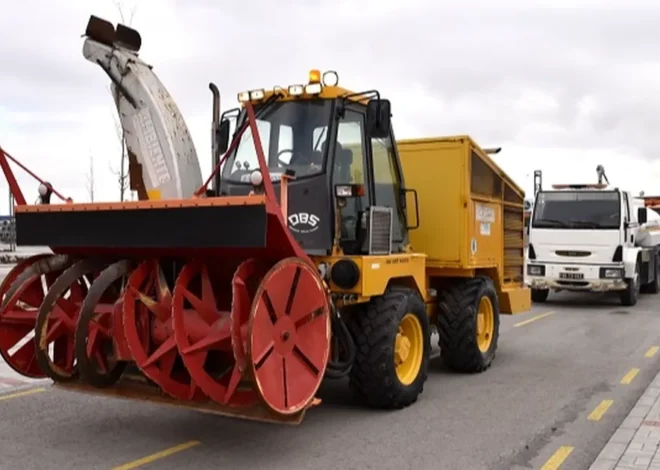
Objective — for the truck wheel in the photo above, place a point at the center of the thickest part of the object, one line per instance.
(654, 286)
(540, 295)
(633, 287)
(468, 324)
(393, 349)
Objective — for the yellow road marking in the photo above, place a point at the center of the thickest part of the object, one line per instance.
(600, 410)
(21, 394)
(651, 352)
(530, 320)
(157, 456)
(632, 373)
(558, 458)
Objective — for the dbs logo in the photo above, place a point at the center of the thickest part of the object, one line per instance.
(303, 222)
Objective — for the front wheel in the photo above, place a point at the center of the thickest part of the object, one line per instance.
(540, 295)
(633, 287)
(393, 349)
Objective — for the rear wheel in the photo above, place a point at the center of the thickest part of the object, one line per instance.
(540, 295)
(468, 324)
(653, 287)
(393, 349)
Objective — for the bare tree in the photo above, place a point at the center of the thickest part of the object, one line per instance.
(121, 173)
(91, 183)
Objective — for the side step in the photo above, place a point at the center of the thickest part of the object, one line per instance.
(137, 389)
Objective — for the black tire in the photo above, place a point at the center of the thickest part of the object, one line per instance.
(373, 377)
(633, 288)
(539, 296)
(653, 287)
(457, 324)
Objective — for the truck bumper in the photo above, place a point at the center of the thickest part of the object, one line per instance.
(572, 277)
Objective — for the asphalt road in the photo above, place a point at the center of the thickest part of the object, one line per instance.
(555, 365)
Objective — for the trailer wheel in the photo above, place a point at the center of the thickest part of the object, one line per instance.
(540, 295)
(633, 288)
(393, 349)
(468, 324)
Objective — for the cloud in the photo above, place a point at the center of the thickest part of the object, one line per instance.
(561, 87)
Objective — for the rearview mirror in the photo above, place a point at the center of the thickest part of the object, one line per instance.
(642, 216)
(378, 118)
(222, 137)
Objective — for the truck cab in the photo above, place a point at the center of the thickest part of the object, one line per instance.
(590, 238)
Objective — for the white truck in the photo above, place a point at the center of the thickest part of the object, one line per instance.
(592, 238)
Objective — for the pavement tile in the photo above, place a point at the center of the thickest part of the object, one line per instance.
(636, 443)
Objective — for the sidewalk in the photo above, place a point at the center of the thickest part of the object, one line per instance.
(634, 446)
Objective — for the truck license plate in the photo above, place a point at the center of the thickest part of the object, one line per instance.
(571, 275)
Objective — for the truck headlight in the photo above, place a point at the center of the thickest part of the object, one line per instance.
(535, 270)
(611, 273)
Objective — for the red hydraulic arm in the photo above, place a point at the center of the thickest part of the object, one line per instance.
(13, 184)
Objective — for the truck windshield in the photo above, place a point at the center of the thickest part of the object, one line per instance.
(577, 210)
(287, 134)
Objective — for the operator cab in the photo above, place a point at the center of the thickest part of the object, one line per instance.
(340, 150)
(578, 207)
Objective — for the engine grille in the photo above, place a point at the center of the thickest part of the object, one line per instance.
(380, 230)
(572, 253)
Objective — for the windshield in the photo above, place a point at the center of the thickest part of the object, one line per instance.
(577, 210)
(289, 140)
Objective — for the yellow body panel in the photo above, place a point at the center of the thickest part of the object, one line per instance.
(376, 272)
(471, 215)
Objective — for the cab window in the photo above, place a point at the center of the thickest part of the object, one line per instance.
(387, 183)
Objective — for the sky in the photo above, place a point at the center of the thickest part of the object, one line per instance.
(561, 86)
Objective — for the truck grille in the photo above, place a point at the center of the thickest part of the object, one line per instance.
(572, 253)
(380, 230)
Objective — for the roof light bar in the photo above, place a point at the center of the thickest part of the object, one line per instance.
(579, 186)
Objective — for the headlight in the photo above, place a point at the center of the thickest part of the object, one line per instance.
(611, 273)
(256, 178)
(330, 78)
(296, 90)
(313, 89)
(257, 94)
(535, 270)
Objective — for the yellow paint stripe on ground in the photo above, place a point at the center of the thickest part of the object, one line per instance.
(558, 458)
(32, 391)
(632, 373)
(157, 456)
(600, 410)
(530, 320)
(651, 352)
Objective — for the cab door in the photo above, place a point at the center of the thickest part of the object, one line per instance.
(387, 185)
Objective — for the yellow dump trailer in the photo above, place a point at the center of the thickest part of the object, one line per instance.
(471, 216)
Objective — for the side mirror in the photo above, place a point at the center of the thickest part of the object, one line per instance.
(642, 215)
(378, 118)
(222, 138)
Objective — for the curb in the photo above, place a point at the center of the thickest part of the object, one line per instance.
(635, 442)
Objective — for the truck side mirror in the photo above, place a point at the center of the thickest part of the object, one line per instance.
(378, 118)
(642, 215)
(222, 138)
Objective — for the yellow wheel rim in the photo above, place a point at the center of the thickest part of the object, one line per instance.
(485, 324)
(408, 349)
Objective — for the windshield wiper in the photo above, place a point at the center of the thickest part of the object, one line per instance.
(588, 223)
(550, 223)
